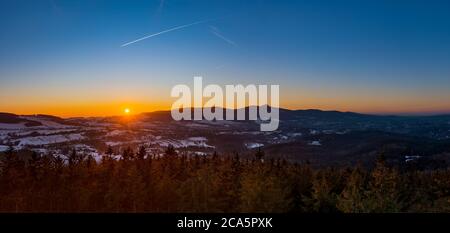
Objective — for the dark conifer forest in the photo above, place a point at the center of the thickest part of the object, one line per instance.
(142, 182)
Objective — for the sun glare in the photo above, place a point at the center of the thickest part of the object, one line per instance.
(126, 110)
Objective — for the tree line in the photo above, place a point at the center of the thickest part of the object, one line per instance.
(145, 182)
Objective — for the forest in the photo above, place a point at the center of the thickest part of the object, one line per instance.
(218, 183)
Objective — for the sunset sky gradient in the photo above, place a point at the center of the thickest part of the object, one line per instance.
(65, 57)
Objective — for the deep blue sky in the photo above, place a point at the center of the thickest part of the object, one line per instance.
(64, 57)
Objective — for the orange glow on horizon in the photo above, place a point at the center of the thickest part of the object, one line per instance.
(103, 109)
(67, 110)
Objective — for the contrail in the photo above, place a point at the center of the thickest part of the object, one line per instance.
(165, 31)
(160, 7)
(216, 32)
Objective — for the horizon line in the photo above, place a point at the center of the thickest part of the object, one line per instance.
(399, 114)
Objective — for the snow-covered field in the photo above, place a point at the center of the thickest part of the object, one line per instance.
(183, 143)
(253, 145)
(12, 126)
(46, 140)
(3, 148)
(51, 137)
(315, 143)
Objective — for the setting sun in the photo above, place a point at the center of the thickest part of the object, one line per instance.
(126, 110)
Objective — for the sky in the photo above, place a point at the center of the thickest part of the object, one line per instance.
(79, 58)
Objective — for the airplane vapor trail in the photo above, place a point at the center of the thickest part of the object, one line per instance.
(216, 32)
(165, 31)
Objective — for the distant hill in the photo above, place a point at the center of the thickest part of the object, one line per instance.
(9, 118)
(33, 120)
(287, 114)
